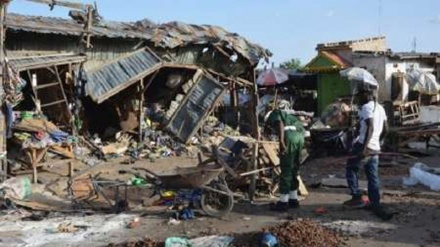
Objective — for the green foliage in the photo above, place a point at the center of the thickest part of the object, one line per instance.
(293, 63)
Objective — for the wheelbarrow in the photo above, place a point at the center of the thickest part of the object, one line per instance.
(201, 187)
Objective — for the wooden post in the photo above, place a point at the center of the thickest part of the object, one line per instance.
(141, 106)
(256, 134)
(236, 104)
(275, 100)
(150, 81)
(71, 169)
(234, 100)
(89, 26)
(57, 73)
(3, 149)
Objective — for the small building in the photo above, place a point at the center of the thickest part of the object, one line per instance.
(389, 68)
(330, 60)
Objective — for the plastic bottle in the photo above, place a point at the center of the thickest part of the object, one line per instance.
(268, 240)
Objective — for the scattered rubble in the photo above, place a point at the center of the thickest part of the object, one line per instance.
(175, 92)
(305, 233)
(147, 242)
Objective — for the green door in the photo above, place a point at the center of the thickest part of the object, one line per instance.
(330, 87)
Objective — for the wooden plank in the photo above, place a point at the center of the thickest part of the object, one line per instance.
(71, 5)
(40, 202)
(3, 148)
(141, 108)
(89, 26)
(53, 103)
(60, 82)
(418, 132)
(228, 168)
(302, 188)
(63, 151)
(71, 169)
(272, 153)
(47, 85)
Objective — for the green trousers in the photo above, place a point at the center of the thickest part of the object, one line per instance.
(290, 161)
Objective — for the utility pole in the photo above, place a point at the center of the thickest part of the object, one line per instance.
(414, 45)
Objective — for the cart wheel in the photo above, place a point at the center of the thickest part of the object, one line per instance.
(215, 204)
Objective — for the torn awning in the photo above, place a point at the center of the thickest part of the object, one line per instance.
(120, 74)
(37, 62)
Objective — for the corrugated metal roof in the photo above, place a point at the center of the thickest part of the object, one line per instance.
(196, 106)
(120, 74)
(168, 35)
(35, 62)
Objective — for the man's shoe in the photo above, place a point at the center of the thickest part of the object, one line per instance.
(369, 207)
(293, 203)
(382, 213)
(279, 207)
(356, 202)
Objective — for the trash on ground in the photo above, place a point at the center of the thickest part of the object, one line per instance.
(423, 174)
(305, 233)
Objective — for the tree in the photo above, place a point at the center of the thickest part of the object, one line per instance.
(293, 63)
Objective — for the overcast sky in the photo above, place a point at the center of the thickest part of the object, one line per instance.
(289, 28)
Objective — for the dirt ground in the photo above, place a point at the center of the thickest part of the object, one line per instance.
(415, 223)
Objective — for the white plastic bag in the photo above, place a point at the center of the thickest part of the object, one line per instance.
(419, 174)
(17, 188)
(212, 241)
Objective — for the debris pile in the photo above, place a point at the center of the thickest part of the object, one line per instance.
(220, 241)
(336, 115)
(305, 233)
(147, 242)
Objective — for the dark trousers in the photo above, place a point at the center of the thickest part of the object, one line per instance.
(371, 167)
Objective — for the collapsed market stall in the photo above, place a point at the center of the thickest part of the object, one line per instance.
(103, 90)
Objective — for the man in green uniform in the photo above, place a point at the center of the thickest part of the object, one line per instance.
(291, 135)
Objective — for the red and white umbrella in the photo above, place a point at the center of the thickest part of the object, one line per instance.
(272, 77)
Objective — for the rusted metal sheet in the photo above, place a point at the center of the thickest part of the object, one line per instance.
(114, 77)
(199, 102)
(169, 35)
(35, 62)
